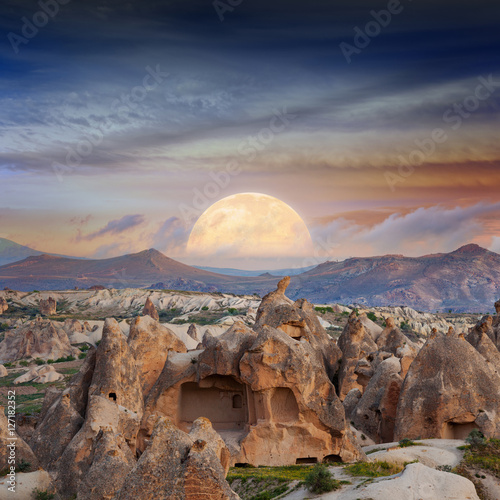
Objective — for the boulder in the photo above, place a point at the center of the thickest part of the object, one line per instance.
(40, 338)
(449, 390)
(178, 465)
(150, 310)
(3, 371)
(356, 344)
(48, 306)
(149, 342)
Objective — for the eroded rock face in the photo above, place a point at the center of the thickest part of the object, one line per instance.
(448, 391)
(3, 305)
(375, 414)
(480, 337)
(179, 465)
(150, 310)
(62, 415)
(40, 338)
(355, 343)
(48, 306)
(299, 321)
(149, 342)
(267, 393)
(193, 332)
(21, 452)
(3, 371)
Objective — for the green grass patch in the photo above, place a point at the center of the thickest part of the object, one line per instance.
(484, 456)
(405, 443)
(373, 469)
(323, 310)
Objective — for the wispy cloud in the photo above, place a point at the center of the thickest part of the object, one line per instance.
(116, 227)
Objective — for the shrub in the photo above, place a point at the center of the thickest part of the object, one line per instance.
(82, 355)
(320, 480)
(7, 365)
(404, 325)
(23, 465)
(232, 311)
(84, 347)
(3, 327)
(405, 442)
(371, 316)
(50, 361)
(39, 361)
(42, 495)
(475, 438)
(23, 363)
(324, 310)
(204, 308)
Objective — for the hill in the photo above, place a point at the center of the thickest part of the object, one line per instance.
(466, 280)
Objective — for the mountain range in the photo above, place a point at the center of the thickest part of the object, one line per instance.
(466, 280)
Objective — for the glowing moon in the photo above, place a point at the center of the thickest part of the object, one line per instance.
(250, 225)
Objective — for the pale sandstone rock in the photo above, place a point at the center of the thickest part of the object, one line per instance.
(416, 482)
(3, 305)
(193, 332)
(448, 391)
(3, 371)
(178, 465)
(149, 342)
(62, 415)
(375, 414)
(40, 338)
(22, 450)
(26, 483)
(40, 375)
(48, 306)
(150, 310)
(355, 343)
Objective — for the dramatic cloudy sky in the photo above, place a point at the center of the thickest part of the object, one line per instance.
(118, 117)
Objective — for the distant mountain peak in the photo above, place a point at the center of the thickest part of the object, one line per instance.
(470, 249)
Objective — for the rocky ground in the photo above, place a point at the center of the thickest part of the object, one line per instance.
(276, 382)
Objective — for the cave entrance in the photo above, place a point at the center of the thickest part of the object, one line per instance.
(332, 459)
(219, 398)
(294, 329)
(453, 430)
(306, 460)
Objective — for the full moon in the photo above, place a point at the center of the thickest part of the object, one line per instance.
(250, 225)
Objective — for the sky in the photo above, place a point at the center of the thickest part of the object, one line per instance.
(377, 122)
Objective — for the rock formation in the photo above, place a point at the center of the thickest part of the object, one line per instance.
(299, 321)
(48, 306)
(375, 414)
(179, 465)
(266, 391)
(448, 391)
(149, 343)
(21, 452)
(40, 338)
(150, 310)
(3, 305)
(356, 344)
(3, 371)
(40, 375)
(193, 332)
